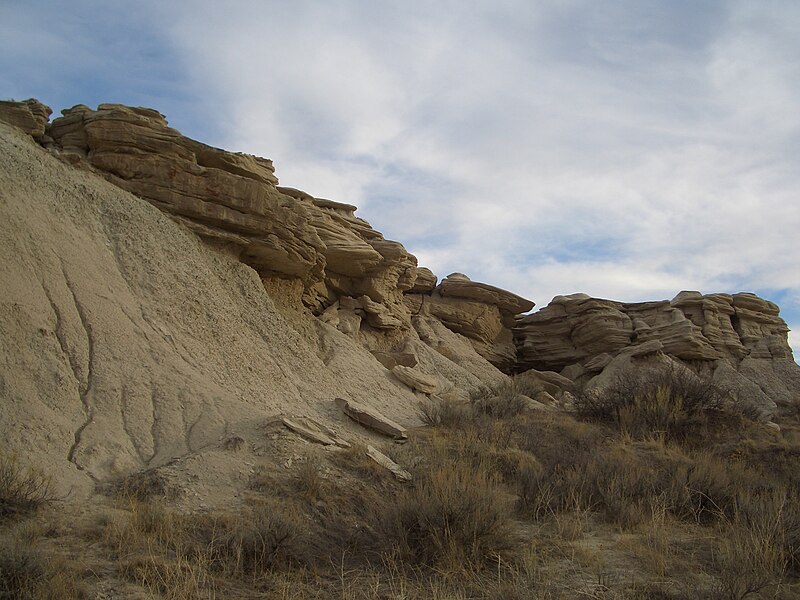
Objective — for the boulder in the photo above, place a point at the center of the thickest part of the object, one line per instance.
(425, 281)
(371, 418)
(458, 285)
(387, 463)
(416, 379)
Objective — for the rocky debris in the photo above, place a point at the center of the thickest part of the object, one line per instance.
(371, 418)
(31, 116)
(387, 463)
(416, 379)
(549, 382)
(314, 431)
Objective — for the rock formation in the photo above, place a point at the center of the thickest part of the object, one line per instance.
(31, 116)
(158, 295)
(740, 340)
(482, 313)
(346, 268)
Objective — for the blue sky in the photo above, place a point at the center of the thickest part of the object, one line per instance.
(626, 149)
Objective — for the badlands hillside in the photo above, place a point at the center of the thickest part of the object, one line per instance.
(167, 307)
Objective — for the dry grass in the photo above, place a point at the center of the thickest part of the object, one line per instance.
(503, 504)
(453, 515)
(27, 570)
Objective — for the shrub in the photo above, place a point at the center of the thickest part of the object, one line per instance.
(249, 543)
(748, 556)
(453, 515)
(667, 401)
(441, 412)
(22, 570)
(507, 399)
(28, 572)
(21, 490)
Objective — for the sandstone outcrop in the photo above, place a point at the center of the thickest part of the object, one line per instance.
(416, 379)
(349, 274)
(739, 340)
(234, 198)
(482, 313)
(329, 295)
(31, 116)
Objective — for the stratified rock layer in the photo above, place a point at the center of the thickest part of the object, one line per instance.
(30, 115)
(234, 198)
(740, 340)
(482, 313)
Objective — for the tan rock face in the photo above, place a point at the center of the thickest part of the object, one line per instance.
(690, 327)
(482, 313)
(234, 198)
(425, 282)
(351, 275)
(459, 286)
(29, 115)
(740, 338)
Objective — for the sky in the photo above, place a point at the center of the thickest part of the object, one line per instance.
(627, 149)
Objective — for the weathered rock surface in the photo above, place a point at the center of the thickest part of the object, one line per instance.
(127, 343)
(416, 379)
(234, 198)
(425, 282)
(482, 313)
(740, 340)
(357, 281)
(458, 285)
(371, 418)
(31, 116)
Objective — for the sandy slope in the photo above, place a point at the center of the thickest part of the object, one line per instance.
(126, 341)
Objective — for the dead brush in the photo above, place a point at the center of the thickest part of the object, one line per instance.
(504, 400)
(444, 412)
(27, 571)
(672, 402)
(453, 514)
(22, 489)
(309, 481)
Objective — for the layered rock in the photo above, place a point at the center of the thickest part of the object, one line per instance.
(739, 340)
(31, 116)
(480, 312)
(349, 273)
(234, 198)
